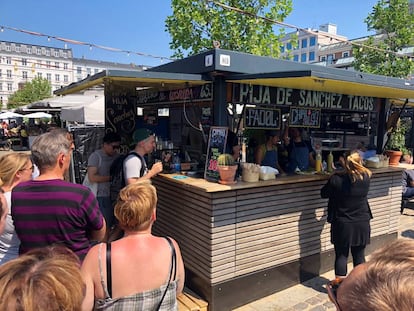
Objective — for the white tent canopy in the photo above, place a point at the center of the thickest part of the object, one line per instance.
(38, 115)
(10, 115)
(88, 113)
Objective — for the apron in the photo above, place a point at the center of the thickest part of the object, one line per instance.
(299, 157)
(270, 158)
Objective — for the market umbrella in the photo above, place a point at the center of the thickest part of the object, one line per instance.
(38, 115)
(10, 115)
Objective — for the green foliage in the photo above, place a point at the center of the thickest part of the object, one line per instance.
(397, 138)
(195, 24)
(35, 90)
(225, 159)
(395, 27)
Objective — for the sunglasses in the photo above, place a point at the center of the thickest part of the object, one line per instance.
(116, 147)
(332, 288)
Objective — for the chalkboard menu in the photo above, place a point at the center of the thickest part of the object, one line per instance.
(261, 118)
(216, 146)
(304, 117)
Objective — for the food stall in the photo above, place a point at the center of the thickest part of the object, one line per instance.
(244, 241)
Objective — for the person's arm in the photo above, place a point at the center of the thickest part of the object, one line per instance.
(258, 155)
(88, 266)
(132, 168)
(180, 269)
(95, 177)
(98, 235)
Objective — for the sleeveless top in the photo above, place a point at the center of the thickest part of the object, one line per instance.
(144, 301)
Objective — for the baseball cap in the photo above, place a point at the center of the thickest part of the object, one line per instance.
(141, 134)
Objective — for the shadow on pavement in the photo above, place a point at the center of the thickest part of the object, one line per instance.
(317, 283)
(408, 234)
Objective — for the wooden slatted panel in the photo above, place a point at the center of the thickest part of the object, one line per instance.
(246, 228)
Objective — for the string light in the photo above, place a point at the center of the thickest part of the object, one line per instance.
(311, 32)
(91, 45)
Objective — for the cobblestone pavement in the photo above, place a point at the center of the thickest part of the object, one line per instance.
(311, 295)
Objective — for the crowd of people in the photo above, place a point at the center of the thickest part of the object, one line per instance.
(57, 253)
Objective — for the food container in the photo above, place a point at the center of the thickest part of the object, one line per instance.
(267, 176)
(250, 172)
(268, 173)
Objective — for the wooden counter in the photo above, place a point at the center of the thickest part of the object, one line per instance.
(242, 242)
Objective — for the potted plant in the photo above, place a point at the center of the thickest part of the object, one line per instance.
(395, 147)
(227, 169)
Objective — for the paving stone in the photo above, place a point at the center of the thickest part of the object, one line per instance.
(300, 306)
(314, 301)
(317, 308)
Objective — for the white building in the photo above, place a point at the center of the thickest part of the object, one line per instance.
(21, 62)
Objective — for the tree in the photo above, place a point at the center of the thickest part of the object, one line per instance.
(37, 89)
(196, 24)
(395, 30)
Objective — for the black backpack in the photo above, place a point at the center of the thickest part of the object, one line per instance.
(117, 174)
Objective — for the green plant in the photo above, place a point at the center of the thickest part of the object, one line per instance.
(397, 138)
(225, 159)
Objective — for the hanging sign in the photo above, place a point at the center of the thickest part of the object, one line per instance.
(304, 117)
(261, 118)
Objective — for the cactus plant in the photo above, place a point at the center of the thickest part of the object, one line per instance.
(225, 159)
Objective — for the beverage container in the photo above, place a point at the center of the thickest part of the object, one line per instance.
(330, 162)
(318, 161)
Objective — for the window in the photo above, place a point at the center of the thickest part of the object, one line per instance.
(312, 41)
(65, 66)
(57, 78)
(49, 77)
(303, 58)
(1, 86)
(29, 50)
(311, 56)
(282, 48)
(8, 60)
(330, 58)
(57, 65)
(323, 58)
(88, 71)
(24, 74)
(48, 64)
(17, 48)
(65, 54)
(79, 70)
(39, 64)
(57, 53)
(47, 52)
(9, 87)
(289, 46)
(345, 54)
(295, 58)
(9, 73)
(39, 75)
(65, 78)
(96, 70)
(304, 43)
(24, 61)
(8, 48)
(38, 51)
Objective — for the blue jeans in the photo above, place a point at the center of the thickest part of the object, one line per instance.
(107, 210)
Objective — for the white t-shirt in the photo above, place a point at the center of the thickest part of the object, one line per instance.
(9, 242)
(132, 167)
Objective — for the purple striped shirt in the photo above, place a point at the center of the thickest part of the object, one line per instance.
(55, 211)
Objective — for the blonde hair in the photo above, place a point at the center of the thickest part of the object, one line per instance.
(42, 279)
(355, 168)
(387, 283)
(135, 205)
(10, 164)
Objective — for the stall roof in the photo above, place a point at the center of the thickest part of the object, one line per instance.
(240, 67)
(166, 80)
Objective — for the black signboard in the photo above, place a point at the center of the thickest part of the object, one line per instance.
(304, 117)
(216, 146)
(262, 118)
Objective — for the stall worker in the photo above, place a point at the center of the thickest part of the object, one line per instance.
(267, 153)
(301, 155)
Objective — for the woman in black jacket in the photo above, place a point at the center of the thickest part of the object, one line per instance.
(349, 212)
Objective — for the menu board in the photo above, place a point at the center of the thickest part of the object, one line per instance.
(261, 118)
(304, 117)
(216, 146)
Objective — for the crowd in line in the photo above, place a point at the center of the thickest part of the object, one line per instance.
(64, 248)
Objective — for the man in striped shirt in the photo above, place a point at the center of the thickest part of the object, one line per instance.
(49, 210)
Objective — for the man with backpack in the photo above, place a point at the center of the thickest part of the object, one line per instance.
(144, 141)
(132, 167)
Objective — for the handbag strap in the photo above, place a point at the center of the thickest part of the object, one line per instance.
(173, 267)
(108, 269)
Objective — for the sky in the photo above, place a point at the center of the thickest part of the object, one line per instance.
(139, 25)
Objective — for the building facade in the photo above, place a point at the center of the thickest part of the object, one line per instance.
(22, 62)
